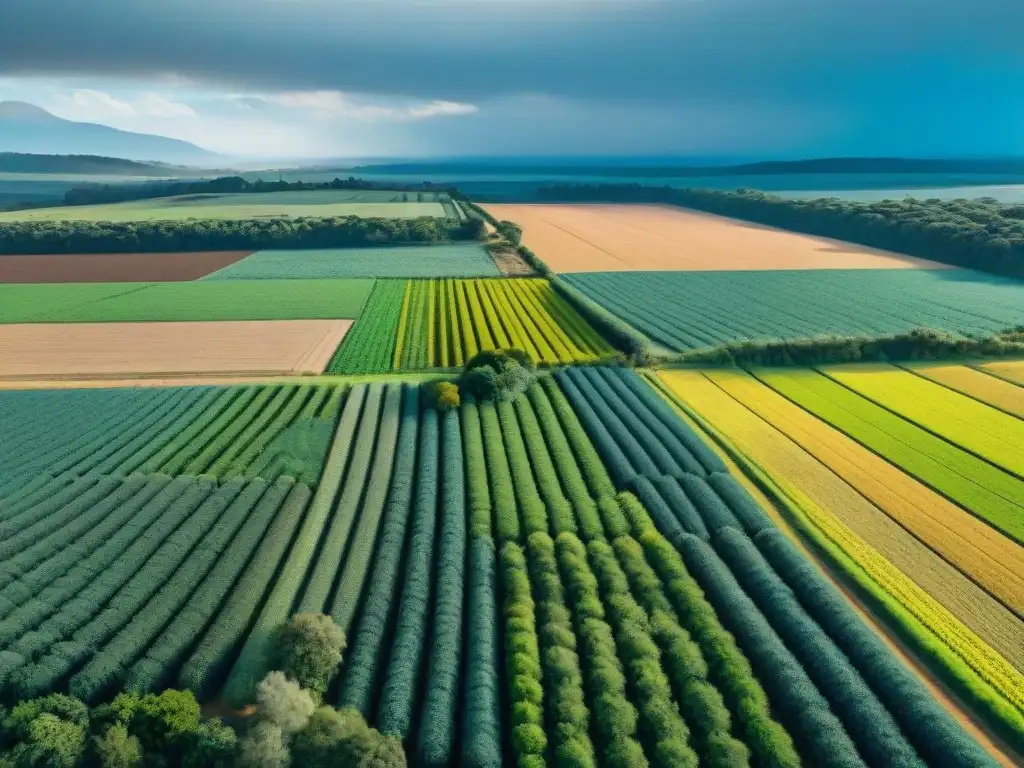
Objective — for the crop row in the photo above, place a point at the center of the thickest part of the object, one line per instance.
(691, 310)
(965, 422)
(230, 432)
(989, 492)
(369, 346)
(977, 550)
(819, 505)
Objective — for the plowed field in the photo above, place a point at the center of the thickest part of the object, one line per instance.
(115, 267)
(115, 349)
(618, 238)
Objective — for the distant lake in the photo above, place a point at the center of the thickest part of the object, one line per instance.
(1004, 193)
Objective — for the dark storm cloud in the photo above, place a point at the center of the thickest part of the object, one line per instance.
(686, 50)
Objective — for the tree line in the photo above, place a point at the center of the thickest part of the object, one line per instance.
(95, 194)
(980, 234)
(55, 237)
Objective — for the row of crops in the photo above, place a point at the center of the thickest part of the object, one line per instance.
(692, 310)
(858, 481)
(429, 324)
(571, 576)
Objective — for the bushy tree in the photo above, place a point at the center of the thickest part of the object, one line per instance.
(341, 737)
(49, 742)
(264, 746)
(283, 703)
(117, 748)
(309, 650)
(500, 374)
(213, 745)
(446, 395)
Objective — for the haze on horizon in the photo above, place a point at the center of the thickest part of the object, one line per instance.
(417, 78)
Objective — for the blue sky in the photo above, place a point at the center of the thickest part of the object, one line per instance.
(352, 78)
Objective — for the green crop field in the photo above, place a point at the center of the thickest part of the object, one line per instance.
(443, 323)
(691, 310)
(166, 302)
(256, 205)
(450, 260)
(573, 572)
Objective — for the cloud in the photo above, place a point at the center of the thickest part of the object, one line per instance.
(334, 104)
(90, 105)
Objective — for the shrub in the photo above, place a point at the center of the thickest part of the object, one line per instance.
(164, 722)
(263, 747)
(17, 724)
(309, 650)
(283, 703)
(50, 742)
(116, 748)
(341, 737)
(214, 745)
(446, 395)
(498, 374)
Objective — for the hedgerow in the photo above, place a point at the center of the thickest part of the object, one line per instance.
(335, 537)
(255, 657)
(437, 734)
(405, 674)
(615, 717)
(869, 724)
(663, 730)
(700, 703)
(814, 726)
(230, 593)
(568, 716)
(369, 647)
(360, 550)
(930, 727)
(728, 669)
(481, 732)
(522, 661)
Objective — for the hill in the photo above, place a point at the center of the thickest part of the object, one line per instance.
(25, 128)
(87, 165)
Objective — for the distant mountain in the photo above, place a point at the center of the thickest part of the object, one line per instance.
(90, 165)
(645, 169)
(26, 128)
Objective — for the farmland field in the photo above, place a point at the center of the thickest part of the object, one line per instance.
(1012, 371)
(618, 238)
(114, 267)
(366, 203)
(192, 301)
(166, 349)
(979, 640)
(693, 310)
(576, 561)
(453, 260)
(444, 323)
(976, 383)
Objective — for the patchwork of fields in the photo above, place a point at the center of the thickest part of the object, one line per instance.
(624, 238)
(453, 260)
(765, 568)
(424, 324)
(693, 310)
(278, 205)
(577, 562)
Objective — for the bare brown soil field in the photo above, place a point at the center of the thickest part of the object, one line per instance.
(510, 263)
(110, 350)
(619, 238)
(115, 267)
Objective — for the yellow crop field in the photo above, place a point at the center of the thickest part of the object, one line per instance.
(975, 383)
(977, 550)
(989, 433)
(1010, 370)
(784, 459)
(446, 322)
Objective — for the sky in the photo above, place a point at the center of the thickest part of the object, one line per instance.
(745, 79)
